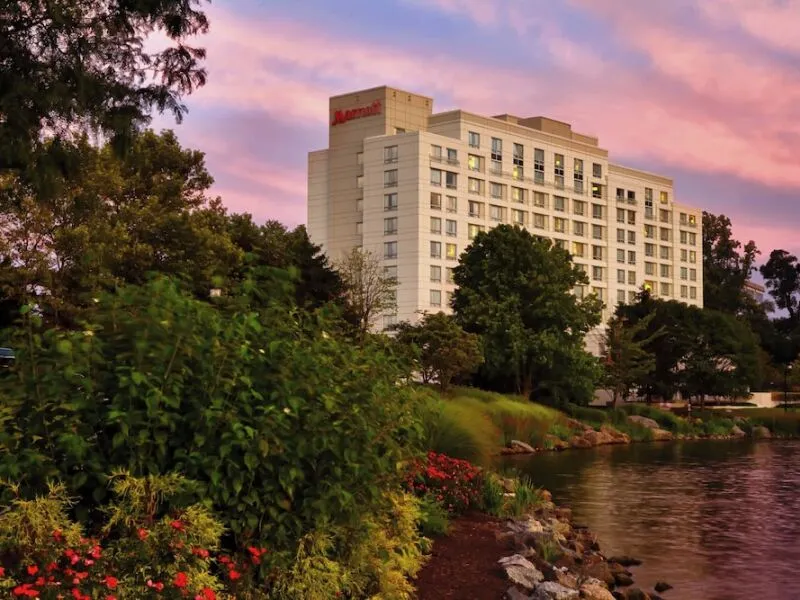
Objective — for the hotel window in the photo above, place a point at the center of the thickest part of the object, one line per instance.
(620, 194)
(682, 218)
(559, 225)
(650, 232)
(436, 249)
(436, 225)
(518, 217)
(436, 273)
(389, 321)
(540, 199)
(390, 178)
(360, 181)
(452, 156)
(558, 171)
(360, 227)
(648, 203)
(597, 273)
(631, 197)
(621, 296)
(390, 201)
(597, 190)
(496, 213)
(390, 272)
(476, 209)
(390, 226)
(692, 274)
(519, 155)
(579, 292)
(578, 176)
(360, 205)
(451, 227)
(579, 228)
(475, 186)
(518, 172)
(473, 230)
(474, 139)
(663, 216)
(684, 273)
(631, 237)
(539, 221)
(665, 237)
(436, 297)
(631, 297)
(451, 180)
(452, 204)
(390, 154)
(684, 237)
(649, 268)
(578, 249)
(597, 211)
(631, 217)
(693, 293)
(390, 250)
(538, 166)
(664, 197)
(664, 252)
(620, 215)
(517, 195)
(665, 271)
(436, 201)
(692, 239)
(631, 277)
(449, 275)
(597, 252)
(621, 236)
(665, 289)
(684, 255)
(597, 232)
(621, 256)
(692, 256)
(631, 257)
(359, 158)
(579, 207)
(436, 152)
(597, 170)
(560, 244)
(620, 276)
(559, 203)
(452, 251)
(497, 149)
(684, 290)
(496, 190)
(475, 163)
(399, 130)
(692, 220)
(436, 177)
(649, 249)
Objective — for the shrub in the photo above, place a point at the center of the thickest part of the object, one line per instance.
(665, 419)
(561, 430)
(285, 425)
(434, 518)
(455, 484)
(586, 414)
(493, 495)
(526, 497)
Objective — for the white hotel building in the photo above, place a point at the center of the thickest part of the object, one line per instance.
(414, 188)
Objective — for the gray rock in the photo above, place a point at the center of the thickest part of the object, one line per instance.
(737, 431)
(522, 446)
(513, 593)
(623, 579)
(521, 571)
(662, 586)
(625, 561)
(645, 421)
(636, 594)
(550, 590)
(761, 432)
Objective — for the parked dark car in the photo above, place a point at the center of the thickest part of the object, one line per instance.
(6, 358)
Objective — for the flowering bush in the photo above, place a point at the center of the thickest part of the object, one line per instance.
(138, 553)
(455, 484)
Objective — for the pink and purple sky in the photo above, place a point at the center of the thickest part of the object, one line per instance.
(704, 91)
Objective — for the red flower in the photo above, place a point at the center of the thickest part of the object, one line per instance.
(2, 572)
(111, 582)
(201, 552)
(234, 574)
(178, 525)
(142, 533)
(25, 590)
(58, 536)
(206, 594)
(95, 552)
(180, 580)
(33, 569)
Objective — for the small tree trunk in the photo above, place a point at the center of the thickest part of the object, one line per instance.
(527, 386)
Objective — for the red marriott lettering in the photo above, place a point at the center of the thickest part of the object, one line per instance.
(343, 116)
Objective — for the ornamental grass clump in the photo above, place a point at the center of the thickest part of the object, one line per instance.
(456, 484)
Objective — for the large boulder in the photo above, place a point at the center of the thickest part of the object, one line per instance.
(550, 590)
(616, 436)
(513, 593)
(522, 447)
(521, 571)
(761, 432)
(636, 594)
(643, 421)
(594, 590)
(580, 441)
(662, 435)
(737, 431)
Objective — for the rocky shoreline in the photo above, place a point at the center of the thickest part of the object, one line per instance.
(552, 558)
(586, 436)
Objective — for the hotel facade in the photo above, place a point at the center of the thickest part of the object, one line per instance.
(414, 188)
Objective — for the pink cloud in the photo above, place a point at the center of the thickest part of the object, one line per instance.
(773, 23)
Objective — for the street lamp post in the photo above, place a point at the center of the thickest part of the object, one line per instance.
(786, 370)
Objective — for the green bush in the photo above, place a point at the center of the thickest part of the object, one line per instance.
(779, 421)
(561, 430)
(285, 425)
(434, 518)
(493, 495)
(586, 414)
(665, 419)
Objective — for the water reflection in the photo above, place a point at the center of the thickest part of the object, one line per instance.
(718, 520)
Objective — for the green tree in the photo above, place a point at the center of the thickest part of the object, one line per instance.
(782, 277)
(76, 67)
(445, 350)
(625, 356)
(369, 291)
(726, 265)
(515, 290)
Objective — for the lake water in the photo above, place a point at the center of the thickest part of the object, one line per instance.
(717, 520)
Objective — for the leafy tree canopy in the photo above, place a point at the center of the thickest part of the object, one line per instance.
(727, 265)
(782, 277)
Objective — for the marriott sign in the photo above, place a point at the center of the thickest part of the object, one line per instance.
(343, 116)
